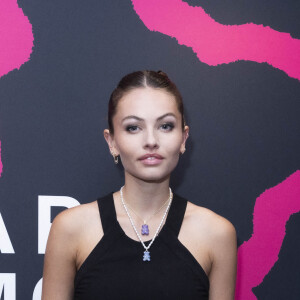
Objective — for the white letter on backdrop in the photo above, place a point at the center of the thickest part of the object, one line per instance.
(8, 285)
(5, 243)
(45, 204)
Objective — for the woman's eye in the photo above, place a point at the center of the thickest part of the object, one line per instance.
(131, 128)
(167, 126)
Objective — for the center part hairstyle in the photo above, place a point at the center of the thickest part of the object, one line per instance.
(143, 79)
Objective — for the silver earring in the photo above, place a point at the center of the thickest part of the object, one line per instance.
(116, 159)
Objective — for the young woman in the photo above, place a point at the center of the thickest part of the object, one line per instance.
(142, 242)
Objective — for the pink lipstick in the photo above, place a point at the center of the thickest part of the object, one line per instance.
(151, 159)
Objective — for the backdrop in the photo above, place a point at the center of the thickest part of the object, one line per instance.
(237, 65)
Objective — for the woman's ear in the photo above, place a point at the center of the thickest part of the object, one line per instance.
(184, 138)
(110, 141)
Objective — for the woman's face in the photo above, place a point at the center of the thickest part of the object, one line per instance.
(148, 133)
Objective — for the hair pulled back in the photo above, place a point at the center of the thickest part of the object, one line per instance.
(143, 79)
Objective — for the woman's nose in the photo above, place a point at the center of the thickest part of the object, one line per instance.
(151, 140)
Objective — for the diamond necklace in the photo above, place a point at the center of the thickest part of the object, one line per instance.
(146, 256)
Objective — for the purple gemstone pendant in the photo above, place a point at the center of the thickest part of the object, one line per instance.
(146, 256)
(145, 229)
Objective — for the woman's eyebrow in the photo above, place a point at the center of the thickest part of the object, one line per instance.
(140, 119)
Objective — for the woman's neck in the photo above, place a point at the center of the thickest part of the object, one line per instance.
(145, 197)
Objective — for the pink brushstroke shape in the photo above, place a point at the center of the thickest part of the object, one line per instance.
(257, 256)
(1, 166)
(16, 40)
(215, 43)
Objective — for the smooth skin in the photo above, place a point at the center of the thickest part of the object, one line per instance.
(147, 121)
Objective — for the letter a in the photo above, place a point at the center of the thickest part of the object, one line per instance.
(5, 243)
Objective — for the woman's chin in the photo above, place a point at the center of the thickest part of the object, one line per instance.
(152, 177)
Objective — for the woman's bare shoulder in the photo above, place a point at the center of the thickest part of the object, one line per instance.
(73, 221)
(214, 225)
(218, 236)
(63, 249)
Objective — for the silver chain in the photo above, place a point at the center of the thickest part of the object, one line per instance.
(131, 221)
(146, 220)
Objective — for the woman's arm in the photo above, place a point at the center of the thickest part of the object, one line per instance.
(224, 261)
(60, 259)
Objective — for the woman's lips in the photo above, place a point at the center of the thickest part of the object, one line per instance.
(151, 159)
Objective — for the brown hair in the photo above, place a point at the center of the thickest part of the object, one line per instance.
(142, 79)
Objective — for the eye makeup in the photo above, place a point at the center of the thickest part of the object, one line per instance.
(168, 126)
(131, 128)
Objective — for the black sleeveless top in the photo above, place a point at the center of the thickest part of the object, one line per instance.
(115, 268)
